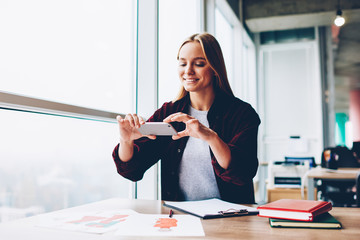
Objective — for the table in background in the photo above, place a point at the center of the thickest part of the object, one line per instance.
(244, 227)
(341, 174)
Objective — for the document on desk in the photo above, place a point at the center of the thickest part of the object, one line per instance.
(90, 222)
(157, 225)
(124, 222)
(211, 208)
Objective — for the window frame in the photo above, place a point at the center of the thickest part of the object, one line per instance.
(11, 101)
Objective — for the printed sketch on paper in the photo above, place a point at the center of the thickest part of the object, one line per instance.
(90, 222)
(100, 222)
(165, 224)
(161, 225)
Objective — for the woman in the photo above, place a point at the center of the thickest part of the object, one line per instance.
(214, 153)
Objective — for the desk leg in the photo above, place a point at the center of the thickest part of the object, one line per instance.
(311, 188)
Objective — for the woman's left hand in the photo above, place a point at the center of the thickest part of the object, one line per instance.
(193, 127)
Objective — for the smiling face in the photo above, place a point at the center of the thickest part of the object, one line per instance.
(194, 71)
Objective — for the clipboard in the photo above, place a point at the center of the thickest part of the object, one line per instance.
(211, 208)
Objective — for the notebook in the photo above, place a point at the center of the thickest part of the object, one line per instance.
(294, 209)
(325, 220)
(211, 208)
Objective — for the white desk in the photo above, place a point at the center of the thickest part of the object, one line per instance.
(244, 227)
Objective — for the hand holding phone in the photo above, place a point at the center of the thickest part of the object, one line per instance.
(157, 128)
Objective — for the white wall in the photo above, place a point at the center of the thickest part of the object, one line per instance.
(291, 98)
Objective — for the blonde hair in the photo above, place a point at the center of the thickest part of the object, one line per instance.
(213, 55)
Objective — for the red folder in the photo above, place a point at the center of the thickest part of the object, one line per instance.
(293, 209)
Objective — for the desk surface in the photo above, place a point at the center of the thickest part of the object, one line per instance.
(245, 227)
(341, 173)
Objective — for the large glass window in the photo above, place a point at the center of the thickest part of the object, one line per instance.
(224, 34)
(73, 52)
(69, 51)
(49, 162)
(178, 19)
(248, 71)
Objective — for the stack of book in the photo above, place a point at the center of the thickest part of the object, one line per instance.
(299, 213)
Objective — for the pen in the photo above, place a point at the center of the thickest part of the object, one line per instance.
(171, 213)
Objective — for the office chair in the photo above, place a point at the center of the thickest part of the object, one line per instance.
(356, 151)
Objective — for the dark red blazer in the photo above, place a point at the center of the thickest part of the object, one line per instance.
(236, 123)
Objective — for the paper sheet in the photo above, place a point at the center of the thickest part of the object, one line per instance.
(161, 225)
(89, 222)
(126, 222)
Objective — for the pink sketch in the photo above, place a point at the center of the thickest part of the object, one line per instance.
(100, 222)
(166, 223)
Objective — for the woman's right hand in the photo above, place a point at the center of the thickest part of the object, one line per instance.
(128, 127)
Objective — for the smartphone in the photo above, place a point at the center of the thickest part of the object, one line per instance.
(157, 128)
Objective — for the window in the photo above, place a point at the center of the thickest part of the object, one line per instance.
(54, 162)
(248, 70)
(73, 52)
(224, 34)
(173, 29)
(63, 54)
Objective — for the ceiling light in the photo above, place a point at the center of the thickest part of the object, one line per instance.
(339, 20)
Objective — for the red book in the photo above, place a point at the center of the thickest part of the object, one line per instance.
(293, 209)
